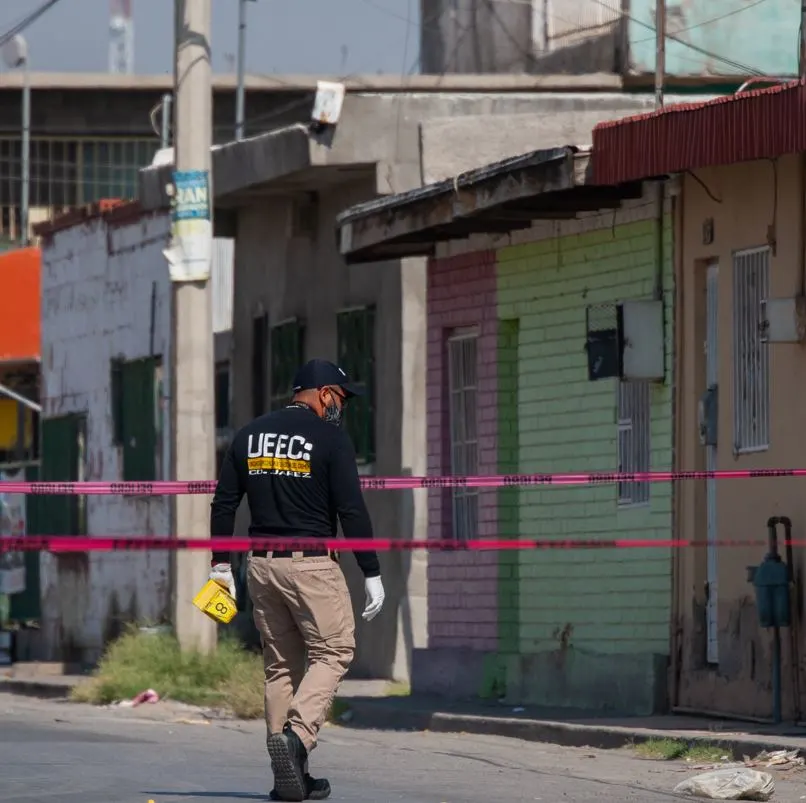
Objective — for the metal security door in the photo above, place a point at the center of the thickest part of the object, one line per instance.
(711, 382)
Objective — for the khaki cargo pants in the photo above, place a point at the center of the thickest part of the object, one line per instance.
(303, 613)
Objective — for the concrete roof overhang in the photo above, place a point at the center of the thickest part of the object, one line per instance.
(275, 163)
(502, 197)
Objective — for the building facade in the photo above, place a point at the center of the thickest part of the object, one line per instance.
(729, 288)
(106, 361)
(740, 288)
(279, 195)
(726, 43)
(509, 394)
(511, 313)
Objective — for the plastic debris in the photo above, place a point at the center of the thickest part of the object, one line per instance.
(729, 784)
(780, 759)
(147, 696)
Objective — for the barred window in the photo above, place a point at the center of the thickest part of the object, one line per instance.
(287, 350)
(751, 366)
(633, 440)
(356, 355)
(462, 386)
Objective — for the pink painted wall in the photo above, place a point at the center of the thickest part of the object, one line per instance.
(462, 587)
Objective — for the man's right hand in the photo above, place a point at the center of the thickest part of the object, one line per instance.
(375, 597)
(222, 574)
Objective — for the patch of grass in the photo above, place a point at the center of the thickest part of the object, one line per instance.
(680, 750)
(230, 677)
(337, 710)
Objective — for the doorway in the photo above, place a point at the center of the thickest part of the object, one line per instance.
(708, 429)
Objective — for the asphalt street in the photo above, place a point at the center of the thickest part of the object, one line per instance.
(60, 752)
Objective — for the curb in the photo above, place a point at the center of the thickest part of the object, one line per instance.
(378, 716)
(44, 690)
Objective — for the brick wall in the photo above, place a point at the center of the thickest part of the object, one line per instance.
(614, 601)
(462, 588)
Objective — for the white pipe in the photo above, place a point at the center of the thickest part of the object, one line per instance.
(31, 405)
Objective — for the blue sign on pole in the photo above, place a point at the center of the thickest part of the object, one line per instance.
(190, 253)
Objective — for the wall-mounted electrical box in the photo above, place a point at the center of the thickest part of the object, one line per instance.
(783, 320)
(605, 341)
(708, 416)
(643, 340)
(626, 341)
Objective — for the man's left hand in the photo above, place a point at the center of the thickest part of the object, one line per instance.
(222, 574)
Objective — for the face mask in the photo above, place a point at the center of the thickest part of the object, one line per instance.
(333, 414)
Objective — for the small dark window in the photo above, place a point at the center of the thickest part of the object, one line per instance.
(287, 354)
(356, 355)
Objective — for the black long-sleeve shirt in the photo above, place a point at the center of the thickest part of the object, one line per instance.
(299, 475)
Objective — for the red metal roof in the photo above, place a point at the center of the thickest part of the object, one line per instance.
(761, 124)
(113, 210)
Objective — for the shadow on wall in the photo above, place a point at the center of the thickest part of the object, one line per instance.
(384, 646)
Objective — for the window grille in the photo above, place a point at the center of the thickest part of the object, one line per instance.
(462, 385)
(356, 355)
(69, 172)
(287, 349)
(751, 367)
(633, 440)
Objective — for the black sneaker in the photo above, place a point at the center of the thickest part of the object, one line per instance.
(288, 757)
(315, 789)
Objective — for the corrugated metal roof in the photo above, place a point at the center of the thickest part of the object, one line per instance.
(761, 124)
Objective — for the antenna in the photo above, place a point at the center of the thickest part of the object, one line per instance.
(121, 37)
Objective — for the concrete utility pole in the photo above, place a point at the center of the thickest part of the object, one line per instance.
(660, 51)
(189, 258)
(802, 38)
(240, 93)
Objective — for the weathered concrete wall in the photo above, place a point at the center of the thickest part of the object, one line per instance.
(475, 37)
(97, 282)
(386, 129)
(451, 145)
(287, 276)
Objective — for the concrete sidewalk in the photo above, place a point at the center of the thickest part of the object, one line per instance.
(364, 704)
(563, 727)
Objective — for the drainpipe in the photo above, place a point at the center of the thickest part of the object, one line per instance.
(802, 223)
(675, 640)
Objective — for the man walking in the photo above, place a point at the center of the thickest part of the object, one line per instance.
(299, 474)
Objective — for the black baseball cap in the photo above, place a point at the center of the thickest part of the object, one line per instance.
(321, 373)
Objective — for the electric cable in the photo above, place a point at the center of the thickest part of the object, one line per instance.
(26, 21)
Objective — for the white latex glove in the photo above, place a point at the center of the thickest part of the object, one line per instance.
(222, 574)
(375, 597)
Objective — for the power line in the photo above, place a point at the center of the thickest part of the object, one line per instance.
(618, 13)
(26, 21)
(702, 24)
(735, 64)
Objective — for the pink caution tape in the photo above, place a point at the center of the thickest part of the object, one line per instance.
(401, 483)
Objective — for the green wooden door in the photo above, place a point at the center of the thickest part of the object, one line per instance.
(62, 460)
(27, 607)
(139, 430)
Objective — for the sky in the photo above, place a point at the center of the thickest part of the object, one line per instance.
(334, 37)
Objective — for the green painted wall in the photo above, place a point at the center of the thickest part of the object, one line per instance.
(509, 602)
(591, 625)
